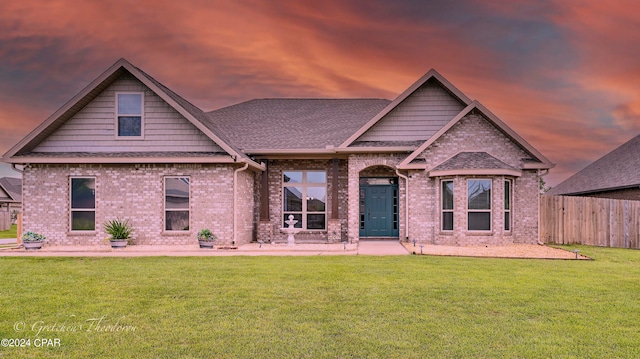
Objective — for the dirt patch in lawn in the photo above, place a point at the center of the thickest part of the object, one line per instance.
(508, 251)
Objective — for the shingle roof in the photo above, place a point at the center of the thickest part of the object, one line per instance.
(289, 124)
(619, 168)
(472, 160)
(13, 187)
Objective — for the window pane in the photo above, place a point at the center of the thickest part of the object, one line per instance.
(479, 221)
(176, 220)
(507, 195)
(447, 221)
(292, 177)
(296, 216)
(479, 194)
(316, 199)
(83, 221)
(507, 221)
(315, 221)
(130, 103)
(129, 126)
(176, 193)
(83, 193)
(292, 199)
(447, 195)
(316, 177)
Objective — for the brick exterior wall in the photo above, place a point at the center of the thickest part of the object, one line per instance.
(473, 133)
(136, 192)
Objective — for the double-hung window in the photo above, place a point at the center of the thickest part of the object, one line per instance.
(305, 197)
(83, 203)
(129, 119)
(507, 204)
(447, 205)
(479, 204)
(176, 203)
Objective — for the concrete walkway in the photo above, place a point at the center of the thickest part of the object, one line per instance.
(375, 248)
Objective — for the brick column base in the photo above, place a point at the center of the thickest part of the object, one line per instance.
(265, 231)
(334, 231)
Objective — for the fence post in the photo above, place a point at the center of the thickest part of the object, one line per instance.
(19, 228)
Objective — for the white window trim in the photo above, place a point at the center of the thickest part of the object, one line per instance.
(442, 210)
(510, 210)
(118, 115)
(304, 184)
(165, 209)
(490, 210)
(95, 205)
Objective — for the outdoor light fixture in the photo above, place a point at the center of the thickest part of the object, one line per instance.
(576, 252)
(414, 242)
(422, 245)
(261, 242)
(344, 244)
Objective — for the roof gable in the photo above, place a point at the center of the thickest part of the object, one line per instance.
(122, 67)
(420, 110)
(618, 169)
(540, 162)
(11, 189)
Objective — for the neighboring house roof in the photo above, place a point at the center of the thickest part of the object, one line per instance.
(470, 163)
(537, 160)
(12, 187)
(618, 169)
(262, 125)
(22, 150)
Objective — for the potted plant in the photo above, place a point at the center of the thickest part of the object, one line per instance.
(206, 239)
(32, 240)
(120, 231)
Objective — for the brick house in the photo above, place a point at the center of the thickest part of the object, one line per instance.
(431, 166)
(615, 175)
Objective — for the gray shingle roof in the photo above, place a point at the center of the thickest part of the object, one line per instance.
(619, 168)
(472, 160)
(290, 124)
(13, 187)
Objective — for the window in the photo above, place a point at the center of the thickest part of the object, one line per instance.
(305, 196)
(83, 204)
(176, 203)
(129, 117)
(507, 205)
(447, 205)
(479, 204)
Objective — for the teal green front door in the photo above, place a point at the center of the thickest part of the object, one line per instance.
(378, 208)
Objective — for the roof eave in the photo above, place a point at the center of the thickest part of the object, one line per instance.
(476, 172)
(25, 160)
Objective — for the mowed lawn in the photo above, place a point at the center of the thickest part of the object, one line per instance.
(322, 307)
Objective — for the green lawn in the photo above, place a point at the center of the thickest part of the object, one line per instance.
(323, 307)
(11, 233)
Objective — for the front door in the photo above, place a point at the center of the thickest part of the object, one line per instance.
(378, 207)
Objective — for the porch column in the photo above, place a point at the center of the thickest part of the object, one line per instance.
(334, 226)
(265, 229)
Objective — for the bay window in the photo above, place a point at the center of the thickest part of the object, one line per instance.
(479, 204)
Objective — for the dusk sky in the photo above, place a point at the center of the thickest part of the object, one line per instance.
(563, 74)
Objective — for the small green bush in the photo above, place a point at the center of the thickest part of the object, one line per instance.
(118, 229)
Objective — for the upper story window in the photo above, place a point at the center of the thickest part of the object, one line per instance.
(129, 119)
(479, 204)
(305, 196)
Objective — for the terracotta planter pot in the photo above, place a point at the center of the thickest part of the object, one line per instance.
(32, 245)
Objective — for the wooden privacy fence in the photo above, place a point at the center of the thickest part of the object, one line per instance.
(5, 221)
(590, 221)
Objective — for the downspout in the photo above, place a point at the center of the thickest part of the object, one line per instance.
(13, 167)
(406, 203)
(235, 199)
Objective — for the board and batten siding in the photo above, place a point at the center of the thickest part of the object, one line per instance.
(418, 117)
(93, 128)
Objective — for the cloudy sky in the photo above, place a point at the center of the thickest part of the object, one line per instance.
(562, 73)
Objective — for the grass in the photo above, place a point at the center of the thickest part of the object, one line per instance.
(323, 307)
(11, 233)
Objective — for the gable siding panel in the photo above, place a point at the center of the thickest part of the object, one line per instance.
(93, 128)
(416, 118)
